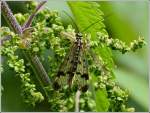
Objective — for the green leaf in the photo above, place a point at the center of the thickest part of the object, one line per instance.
(88, 17)
(101, 100)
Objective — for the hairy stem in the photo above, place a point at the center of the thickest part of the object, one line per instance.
(10, 19)
(29, 21)
(37, 65)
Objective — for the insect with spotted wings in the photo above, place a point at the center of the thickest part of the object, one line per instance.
(74, 68)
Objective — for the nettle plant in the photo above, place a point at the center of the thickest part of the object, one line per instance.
(79, 71)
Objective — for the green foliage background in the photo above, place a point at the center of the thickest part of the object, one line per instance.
(126, 22)
(123, 20)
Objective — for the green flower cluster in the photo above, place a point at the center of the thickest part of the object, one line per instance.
(116, 44)
(46, 33)
(117, 97)
(105, 81)
(21, 18)
(87, 103)
(9, 48)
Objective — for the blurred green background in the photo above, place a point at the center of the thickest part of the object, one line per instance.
(125, 20)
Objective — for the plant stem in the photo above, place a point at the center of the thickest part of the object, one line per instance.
(11, 24)
(37, 65)
(77, 101)
(10, 19)
(29, 21)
